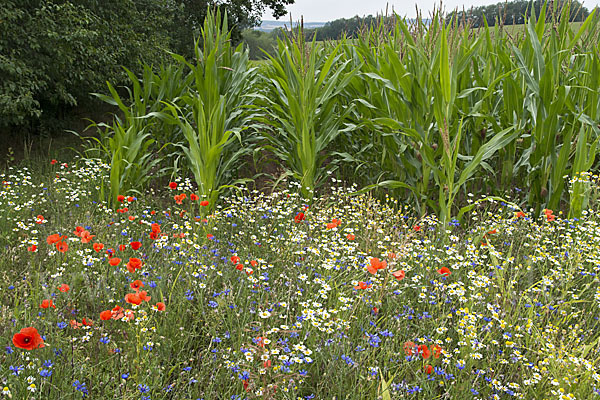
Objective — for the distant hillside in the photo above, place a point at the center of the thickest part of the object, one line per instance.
(267, 26)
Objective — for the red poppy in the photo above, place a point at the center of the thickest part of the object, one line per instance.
(153, 235)
(209, 236)
(87, 322)
(54, 238)
(235, 259)
(106, 315)
(130, 199)
(161, 306)
(53, 161)
(62, 246)
(122, 247)
(399, 274)
(64, 288)
(362, 285)
(428, 369)
(299, 217)
(78, 231)
(28, 339)
(155, 228)
(519, 214)
(75, 324)
(409, 348)
(117, 312)
(47, 304)
(424, 351)
(86, 237)
(133, 298)
(114, 261)
(136, 285)
(144, 296)
(253, 263)
(39, 219)
(445, 271)
(334, 223)
(178, 199)
(417, 228)
(437, 351)
(375, 265)
(133, 264)
(131, 218)
(120, 198)
(350, 236)
(32, 248)
(492, 232)
(194, 197)
(98, 247)
(135, 245)
(204, 203)
(173, 185)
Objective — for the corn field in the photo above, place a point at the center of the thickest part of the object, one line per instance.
(433, 113)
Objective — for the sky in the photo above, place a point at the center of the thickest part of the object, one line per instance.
(329, 10)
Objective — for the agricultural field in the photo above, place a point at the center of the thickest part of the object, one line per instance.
(411, 214)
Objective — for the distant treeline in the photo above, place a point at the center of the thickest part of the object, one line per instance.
(507, 12)
(514, 12)
(333, 30)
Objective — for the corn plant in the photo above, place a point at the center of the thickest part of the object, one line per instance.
(444, 112)
(214, 111)
(131, 143)
(302, 107)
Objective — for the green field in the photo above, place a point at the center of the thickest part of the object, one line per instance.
(408, 214)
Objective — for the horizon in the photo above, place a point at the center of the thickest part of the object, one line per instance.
(322, 11)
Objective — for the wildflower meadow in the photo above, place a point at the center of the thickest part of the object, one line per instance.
(411, 214)
(269, 297)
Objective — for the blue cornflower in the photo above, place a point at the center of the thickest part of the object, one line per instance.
(213, 304)
(347, 359)
(80, 387)
(374, 340)
(245, 375)
(16, 370)
(143, 388)
(45, 373)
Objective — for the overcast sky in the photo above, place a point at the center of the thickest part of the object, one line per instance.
(328, 10)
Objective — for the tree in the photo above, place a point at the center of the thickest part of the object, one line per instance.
(241, 14)
(514, 12)
(54, 53)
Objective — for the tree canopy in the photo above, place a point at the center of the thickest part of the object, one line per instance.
(53, 53)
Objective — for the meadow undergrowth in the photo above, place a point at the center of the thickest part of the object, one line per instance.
(266, 297)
